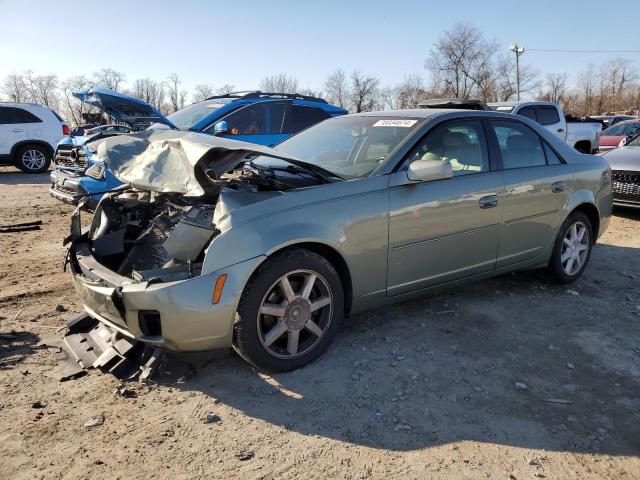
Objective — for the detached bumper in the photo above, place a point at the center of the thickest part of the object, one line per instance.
(66, 188)
(178, 316)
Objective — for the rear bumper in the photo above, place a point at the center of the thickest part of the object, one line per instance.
(188, 319)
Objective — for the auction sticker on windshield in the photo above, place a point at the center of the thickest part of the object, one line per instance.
(395, 123)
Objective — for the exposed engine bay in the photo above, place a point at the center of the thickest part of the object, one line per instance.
(161, 237)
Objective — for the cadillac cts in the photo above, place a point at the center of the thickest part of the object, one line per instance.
(214, 243)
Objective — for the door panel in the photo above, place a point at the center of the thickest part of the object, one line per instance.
(533, 208)
(441, 231)
(533, 201)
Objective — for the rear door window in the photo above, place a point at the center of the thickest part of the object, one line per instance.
(520, 147)
(276, 111)
(547, 115)
(300, 117)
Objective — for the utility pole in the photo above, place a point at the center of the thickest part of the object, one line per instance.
(518, 51)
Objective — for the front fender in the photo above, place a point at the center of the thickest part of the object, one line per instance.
(355, 226)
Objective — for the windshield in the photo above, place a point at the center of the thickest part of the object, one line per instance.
(187, 117)
(622, 129)
(351, 147)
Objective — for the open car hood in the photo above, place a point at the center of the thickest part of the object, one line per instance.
(122, 107)
(176, 161)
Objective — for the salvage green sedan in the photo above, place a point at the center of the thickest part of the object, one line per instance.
(214, 243)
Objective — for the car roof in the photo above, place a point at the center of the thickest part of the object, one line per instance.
(516, 103)
(430, 112)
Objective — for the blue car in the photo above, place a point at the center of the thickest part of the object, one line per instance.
(256, 117)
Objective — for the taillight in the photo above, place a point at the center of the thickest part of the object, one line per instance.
(65, 129)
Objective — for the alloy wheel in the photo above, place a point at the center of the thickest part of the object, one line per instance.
(575, 248)
(33, 159)
(294, 314)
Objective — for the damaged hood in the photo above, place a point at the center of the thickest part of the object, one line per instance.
(175, 161)
(122, 107)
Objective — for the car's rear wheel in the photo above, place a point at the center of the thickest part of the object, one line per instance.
(289, 312)
(572, 249)
(33, 159)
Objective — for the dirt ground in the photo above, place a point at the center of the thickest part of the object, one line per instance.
(425, 389)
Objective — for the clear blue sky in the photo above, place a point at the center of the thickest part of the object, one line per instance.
(239, 42)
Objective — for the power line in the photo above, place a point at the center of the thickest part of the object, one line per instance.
(581, 51)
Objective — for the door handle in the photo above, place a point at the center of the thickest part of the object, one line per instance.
(489, 201)
(558, 187)
(560, 130)
(17, 130)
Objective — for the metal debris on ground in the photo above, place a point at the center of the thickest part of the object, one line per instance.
(244, 455)
(21, 227)
(91, 344)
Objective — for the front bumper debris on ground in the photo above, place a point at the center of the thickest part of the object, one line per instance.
(91, 344)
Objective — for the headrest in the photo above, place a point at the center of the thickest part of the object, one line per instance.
(455, 139)
(520, 142)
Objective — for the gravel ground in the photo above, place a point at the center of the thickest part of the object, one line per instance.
(515, 377)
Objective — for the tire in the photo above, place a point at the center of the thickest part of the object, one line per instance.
(569, 271)
(33, 159)
(267, 340)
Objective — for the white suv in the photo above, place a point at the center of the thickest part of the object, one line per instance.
(29, 135)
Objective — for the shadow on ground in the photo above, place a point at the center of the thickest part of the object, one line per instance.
(13, 176)
(444, 369)
(15, 347)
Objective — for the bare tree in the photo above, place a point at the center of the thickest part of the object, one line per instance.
(337, 88)
(364, 91)
(225, 89)
(201, 92)
(505, 86)
(109, 78)
(555, 87)
(587, 84)
(616, 74)
(411, 91)
(42, 89)
(149, 91)
(72, 108)
(281, 83)
(177, 97)
(15, 88)
(461, 62)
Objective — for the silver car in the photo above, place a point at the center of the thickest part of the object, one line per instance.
(215, 243)
(625, 166)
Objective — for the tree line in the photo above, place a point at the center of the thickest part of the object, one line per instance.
(462, 63)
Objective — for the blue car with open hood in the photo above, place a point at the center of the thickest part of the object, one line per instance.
(255, 117)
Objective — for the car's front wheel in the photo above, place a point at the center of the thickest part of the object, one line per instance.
(289, 312)
(572, 249)
(33, 159)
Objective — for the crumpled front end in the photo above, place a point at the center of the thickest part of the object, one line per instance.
(138, 270)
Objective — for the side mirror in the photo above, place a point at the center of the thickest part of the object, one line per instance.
(429, 170)
(220, 128)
